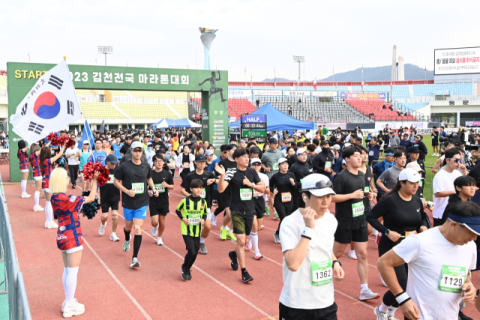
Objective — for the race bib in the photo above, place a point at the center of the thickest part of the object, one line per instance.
(366, 190)
(420, 183)
(159, 187)
(358, 209)
(194, 219)
(321, 273)
(310, 170)
(204, 194)
(138, 187)
(328, 164)
(111, 179)
(245, 194)
(286, 196)
(452, 279)
(371, 153)
(409, 233)
(275, 166)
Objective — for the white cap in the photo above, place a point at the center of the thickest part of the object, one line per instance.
(317, 184)
(346, 145)
(300, 150)
(136, 144)
(256, 160)
(209, 152)
(282, 160)
(410, 175)
(336, 147)
(415, 166)
(86, 142)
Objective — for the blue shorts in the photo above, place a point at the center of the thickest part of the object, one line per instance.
(131, 214)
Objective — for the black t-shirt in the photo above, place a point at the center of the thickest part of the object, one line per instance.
(207, 175)
(158, 178)
(110, 193)
(346, 182)
(228, 165)
(398, 215)
(368, 178)
(300, 170)
(133, 175)
(125, 148)
(435, 135)
(242, 195)
(281, 181)
(157, 145)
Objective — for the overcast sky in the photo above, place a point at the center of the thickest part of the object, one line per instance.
(260, 35)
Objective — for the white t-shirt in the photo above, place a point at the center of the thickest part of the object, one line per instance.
(70, 155)
(427, 255)
(298, 291)
(265, 179)
(318, 150)
(443, 181)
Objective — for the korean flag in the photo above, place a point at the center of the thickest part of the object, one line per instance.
(50, 106)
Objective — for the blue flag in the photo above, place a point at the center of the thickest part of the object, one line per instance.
(86, 135)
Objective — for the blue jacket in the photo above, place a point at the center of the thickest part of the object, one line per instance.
(212, 169)
(379, 168)
(407, 144)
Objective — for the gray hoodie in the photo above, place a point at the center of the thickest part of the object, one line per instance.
(270, 159)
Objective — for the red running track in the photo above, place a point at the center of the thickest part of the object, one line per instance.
(110, 289)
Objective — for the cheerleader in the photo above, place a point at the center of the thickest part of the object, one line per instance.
(69, 234)
(23, 159)
(47, 161)
(37, 174)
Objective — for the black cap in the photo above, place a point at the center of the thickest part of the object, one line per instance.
(230, 147)
(200, 157)
(414, 150)
(255, 150)
(324, 143)
(358, 139)
(272, 140)
(161, 150)
(112, 158)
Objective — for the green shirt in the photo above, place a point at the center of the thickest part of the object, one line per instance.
(193, 209)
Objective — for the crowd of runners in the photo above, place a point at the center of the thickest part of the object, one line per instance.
(377, 188)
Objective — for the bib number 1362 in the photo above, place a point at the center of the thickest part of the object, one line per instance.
(321, 273)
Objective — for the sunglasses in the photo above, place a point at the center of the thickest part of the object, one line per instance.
(255, 164)
(137, 150)
(321, 185)
(456, 160)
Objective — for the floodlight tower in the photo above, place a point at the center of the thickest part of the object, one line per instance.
(207, 38)
(401, 69)
(394, 64)
(300, 60)
(105, 50)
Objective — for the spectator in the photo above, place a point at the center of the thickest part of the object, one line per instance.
(373, 150)
(394, 140)
(420, 145)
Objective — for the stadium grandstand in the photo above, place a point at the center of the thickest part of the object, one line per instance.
(324, 102)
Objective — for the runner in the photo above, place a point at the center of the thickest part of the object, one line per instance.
(282, 187)
(241, 180)
(309, 263)
(37, 174)
(439, 263)
(439, 163)
(117, 146)
(349, 187)
(184, 162)
(73, 158)
(323, 162)
(69, 235)
(403, 215)
(110, 196)
(258, 198)
(22, 155)
(131, 178)
(192, 210)
(381, 167)
(98, 155)
(160, 206)
(85, 153)
(47, 161)
(388, 179)
(300, 170)
(207, 178)
(270, 162)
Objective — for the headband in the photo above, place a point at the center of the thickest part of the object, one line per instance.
(389, 154)
(469, 222)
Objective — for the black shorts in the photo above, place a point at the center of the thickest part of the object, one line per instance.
(434, 143)
(224, 202)
(328, 313)
(107, 205)
(163, 211)
(259, 207)
(242, 222)
(346, 236)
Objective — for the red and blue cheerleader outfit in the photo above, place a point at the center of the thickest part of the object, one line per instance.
(22, 157)
(66, 208)
(35, 161)
(46, 170)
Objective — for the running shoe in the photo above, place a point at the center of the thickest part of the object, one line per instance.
(51, 225)
(114, 237)
(135, 263)
(203, 248)
(126, 246)
(352, 255)
(25, 195)
(275, 216)
(154, 231)
(267, 211)
(462, 316)
(380, 315)
(74, 186)
(231, 236)
(159, 241)
(248, 245)
(233, 257)
(37, 208)
(246, 277)
(377, 240)
(368, 294)
(75, 309)
(101, 231)
(261, 227)
(214, 220)
(276, 238)
(189, 275)
(184, 274)
(223, 233)
(258, 257)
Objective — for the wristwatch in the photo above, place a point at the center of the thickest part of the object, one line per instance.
(334, 261)
(387, 232)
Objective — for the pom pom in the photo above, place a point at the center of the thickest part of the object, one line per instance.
(89, 210)
(90, 168)
(55, 140)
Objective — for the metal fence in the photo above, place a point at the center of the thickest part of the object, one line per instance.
(14, 284)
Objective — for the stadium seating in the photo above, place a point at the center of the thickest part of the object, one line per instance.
(182, 109)
(236, 107)
(159, 94)
(100, 110)
(374, 109)
(147, 110)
